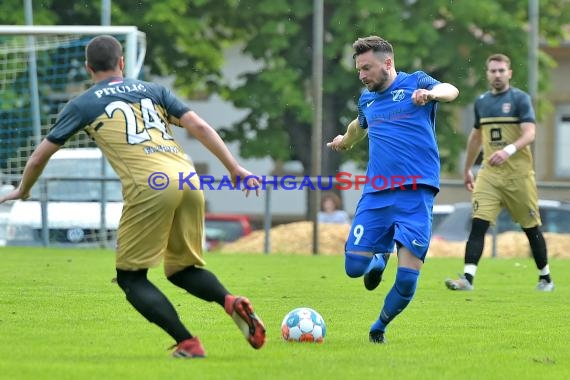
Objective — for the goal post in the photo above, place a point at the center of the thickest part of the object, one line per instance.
(41, 68)
(134, 40)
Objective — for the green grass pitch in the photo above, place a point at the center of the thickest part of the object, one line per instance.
(61, 317)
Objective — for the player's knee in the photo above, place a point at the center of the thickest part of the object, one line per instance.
(177, 276)
(532, 231)
(406, 281)
(535, 238)
(479, 228)
(355, 265)
(126, 279)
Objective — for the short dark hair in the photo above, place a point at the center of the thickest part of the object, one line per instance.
(498, 58)
(374, 43)
(103, 53)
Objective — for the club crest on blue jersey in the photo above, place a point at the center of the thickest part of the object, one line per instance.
(397, 95)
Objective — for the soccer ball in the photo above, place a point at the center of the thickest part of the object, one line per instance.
(303, 325)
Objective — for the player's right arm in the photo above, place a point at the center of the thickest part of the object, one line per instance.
(473, 149)
(32, 171)
(353, 135)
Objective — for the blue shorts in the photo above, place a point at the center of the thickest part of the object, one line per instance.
(385, 218)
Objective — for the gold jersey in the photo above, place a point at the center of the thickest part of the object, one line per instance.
(499, 117)
(130, 120)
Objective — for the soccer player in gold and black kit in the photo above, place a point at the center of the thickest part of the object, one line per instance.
(504, 127)
(130, 120)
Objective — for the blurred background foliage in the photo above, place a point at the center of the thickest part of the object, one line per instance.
(448, 39)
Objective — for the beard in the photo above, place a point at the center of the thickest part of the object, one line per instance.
(381, 83)
(499, 86)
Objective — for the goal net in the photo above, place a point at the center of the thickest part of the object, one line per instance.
(41, 68)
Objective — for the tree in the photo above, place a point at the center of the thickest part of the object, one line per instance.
(181, 43)
(186, 38)
(449, 40)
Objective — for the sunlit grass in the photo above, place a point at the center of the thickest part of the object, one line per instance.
(61, 317)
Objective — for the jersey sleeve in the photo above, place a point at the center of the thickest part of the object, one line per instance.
(69, 122)
(477, 117)
(174, 107)
(362, 119)
(425, 81)
(525, 108)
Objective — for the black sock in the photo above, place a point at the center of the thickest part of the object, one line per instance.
(475, 244)
(537, 247)
(200, 283)
(148, 300)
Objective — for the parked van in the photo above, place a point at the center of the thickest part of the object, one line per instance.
(4, 213)
(555, 216)
(73, 206)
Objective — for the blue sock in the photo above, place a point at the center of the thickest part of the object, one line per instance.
(398, 297)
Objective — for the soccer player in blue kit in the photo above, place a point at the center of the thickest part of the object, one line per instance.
(397, 111)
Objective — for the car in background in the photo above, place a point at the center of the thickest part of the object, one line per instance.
(555, 216)
(4, 213)
(440, 212)
(73, 206)
(224, 228)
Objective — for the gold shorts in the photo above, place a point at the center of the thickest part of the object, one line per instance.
(168, 223)
(518, 195)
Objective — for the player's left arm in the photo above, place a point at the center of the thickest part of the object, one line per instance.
(32, 171)
(441, 92)
(527, 123)
(528, 132)
(208, 136)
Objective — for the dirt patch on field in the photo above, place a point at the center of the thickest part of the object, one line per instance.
(296, 238)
